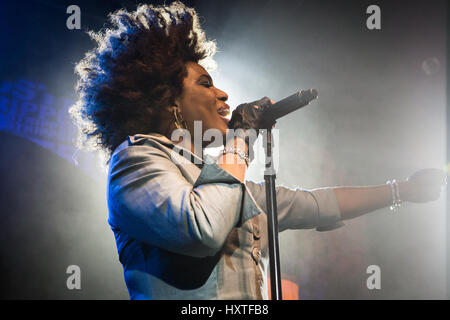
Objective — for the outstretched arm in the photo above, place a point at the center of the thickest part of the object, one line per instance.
(423, 186)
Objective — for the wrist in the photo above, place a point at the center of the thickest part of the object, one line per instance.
(237, 142)
(232, 155)
(395, 195)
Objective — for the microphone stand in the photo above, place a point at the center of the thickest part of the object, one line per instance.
(279, 109)
(272, 219)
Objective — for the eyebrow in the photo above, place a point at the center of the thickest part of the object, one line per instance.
(206, 76)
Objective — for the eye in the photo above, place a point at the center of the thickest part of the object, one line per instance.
(207, 84)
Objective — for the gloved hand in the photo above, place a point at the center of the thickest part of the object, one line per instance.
(249, 116)
(423, 185)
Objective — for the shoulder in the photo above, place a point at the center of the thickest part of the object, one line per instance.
(149, 152)
(140, 152)
(143, 145)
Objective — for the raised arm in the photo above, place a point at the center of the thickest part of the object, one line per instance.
(423, 186)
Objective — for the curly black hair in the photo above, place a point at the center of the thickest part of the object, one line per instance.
(136, 69)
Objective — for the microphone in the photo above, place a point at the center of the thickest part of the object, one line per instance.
(287, 105)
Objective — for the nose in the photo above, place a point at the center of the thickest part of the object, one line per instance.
(222, 95)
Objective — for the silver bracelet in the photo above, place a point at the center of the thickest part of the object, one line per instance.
(396, 201)
(237, 151)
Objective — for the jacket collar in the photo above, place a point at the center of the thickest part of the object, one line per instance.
(162, 139)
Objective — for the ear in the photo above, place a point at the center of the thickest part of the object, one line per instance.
(170, 108)
(176, 102)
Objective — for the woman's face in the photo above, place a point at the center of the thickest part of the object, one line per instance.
(200, 100)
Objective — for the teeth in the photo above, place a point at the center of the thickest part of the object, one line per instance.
(223, 112)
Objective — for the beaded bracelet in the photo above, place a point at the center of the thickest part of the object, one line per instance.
(237, 151)
(396, 201)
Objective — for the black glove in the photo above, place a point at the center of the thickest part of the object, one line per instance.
(247, 116)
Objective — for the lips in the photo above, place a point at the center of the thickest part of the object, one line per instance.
(224, 110)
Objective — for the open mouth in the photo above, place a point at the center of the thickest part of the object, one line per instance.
(223, 112)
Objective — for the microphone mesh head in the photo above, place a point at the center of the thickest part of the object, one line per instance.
(306, 96)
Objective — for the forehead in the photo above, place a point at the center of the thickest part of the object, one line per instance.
(195, 70)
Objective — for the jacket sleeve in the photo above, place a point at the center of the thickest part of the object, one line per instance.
(150, 200)
(301, 209)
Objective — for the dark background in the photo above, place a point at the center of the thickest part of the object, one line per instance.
(381, 114)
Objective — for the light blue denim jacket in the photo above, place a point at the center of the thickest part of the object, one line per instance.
(188, 231)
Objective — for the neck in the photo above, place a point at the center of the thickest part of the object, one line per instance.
(187, 144)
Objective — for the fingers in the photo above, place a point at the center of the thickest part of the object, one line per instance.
(434, 193)
(422, 193)
(437, 177)
(263, 101)
(429, 176)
